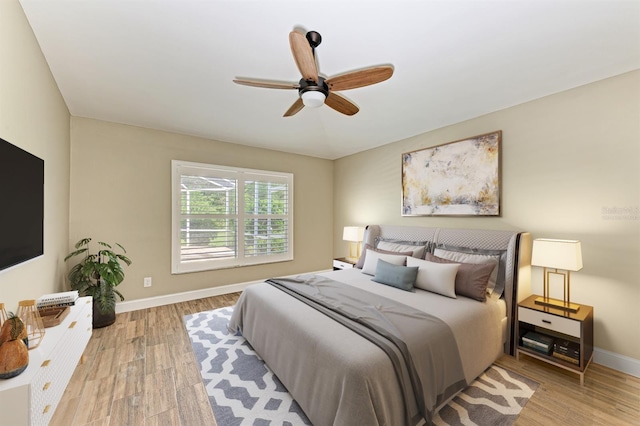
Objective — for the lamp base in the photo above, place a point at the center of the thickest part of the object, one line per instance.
(557, 304)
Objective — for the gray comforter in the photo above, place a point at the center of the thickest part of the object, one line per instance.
(396, 369)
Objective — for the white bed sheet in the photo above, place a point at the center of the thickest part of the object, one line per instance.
(478, 327)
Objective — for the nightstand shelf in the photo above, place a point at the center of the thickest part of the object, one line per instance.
(343, 263)
(560, 325)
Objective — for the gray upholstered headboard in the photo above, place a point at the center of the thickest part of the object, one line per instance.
(517, 267)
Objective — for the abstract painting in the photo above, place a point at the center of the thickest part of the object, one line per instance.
(460, 178)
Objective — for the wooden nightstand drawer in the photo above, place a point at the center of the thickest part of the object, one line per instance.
(549, 321)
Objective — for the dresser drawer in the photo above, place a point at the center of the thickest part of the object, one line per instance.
(44, 392)
(549, 321)
(52, 377)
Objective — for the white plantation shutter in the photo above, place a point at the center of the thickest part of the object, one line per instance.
(226, 217)
(266, 219)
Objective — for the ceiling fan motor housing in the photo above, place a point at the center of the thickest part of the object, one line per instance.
(309, 85)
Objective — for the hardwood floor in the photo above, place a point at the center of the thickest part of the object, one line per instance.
(142, 371)
(608, 397)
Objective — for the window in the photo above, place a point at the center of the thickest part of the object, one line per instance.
(225, 217)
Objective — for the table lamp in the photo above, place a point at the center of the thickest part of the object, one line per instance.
(355, 235)
(558, 257)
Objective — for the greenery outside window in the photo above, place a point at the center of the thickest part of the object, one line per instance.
(226, 217)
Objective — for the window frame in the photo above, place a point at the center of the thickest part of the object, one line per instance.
(180, 168)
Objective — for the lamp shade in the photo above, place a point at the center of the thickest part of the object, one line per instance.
(313, 98)
(558, 254)
(353, 233)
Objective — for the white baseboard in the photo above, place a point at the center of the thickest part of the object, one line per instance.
(616, 361)
(151, 302)
(612, 360)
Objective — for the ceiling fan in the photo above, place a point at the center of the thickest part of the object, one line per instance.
(313, 90)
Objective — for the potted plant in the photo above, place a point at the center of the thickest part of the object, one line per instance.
(97, 275)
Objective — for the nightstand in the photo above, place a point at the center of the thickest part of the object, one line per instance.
(343, 263)
(559, 327)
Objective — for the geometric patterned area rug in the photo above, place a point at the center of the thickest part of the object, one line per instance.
(494, 398)
(244, 391)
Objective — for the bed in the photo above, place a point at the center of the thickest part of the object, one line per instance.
(339, 376)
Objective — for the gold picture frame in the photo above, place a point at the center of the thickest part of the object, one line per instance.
(460, 178)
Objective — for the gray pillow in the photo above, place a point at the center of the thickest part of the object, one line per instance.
(402, 277)
(419, 248)
(476, 256)
(363, 256)
(471, 280)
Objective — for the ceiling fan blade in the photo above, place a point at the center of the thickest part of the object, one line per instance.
(361, 78)
(303, 55)
(266, 84)
(295, 108)
(341, 104)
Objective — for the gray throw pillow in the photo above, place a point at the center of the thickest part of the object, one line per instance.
(472, 279)
(402, 277)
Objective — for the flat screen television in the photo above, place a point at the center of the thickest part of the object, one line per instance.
(21, 205)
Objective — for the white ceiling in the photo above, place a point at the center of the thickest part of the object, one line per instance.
(169, 64)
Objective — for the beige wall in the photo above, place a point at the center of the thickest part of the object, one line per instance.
(565, 158)
(121, 192)
(34, 117)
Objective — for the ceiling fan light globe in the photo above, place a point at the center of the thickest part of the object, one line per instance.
(313, 99)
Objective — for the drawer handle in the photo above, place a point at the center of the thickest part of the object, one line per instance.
(73, 324)
(546, 321)
(46, 386)
(46, 409)
(45, 363)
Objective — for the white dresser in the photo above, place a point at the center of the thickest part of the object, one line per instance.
(32, 397)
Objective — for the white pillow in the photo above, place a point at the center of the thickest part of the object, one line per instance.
(435, 277)
(371, 261)
(457, 256)
(418, 250)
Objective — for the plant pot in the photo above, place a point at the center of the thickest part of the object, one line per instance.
(102, 319)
